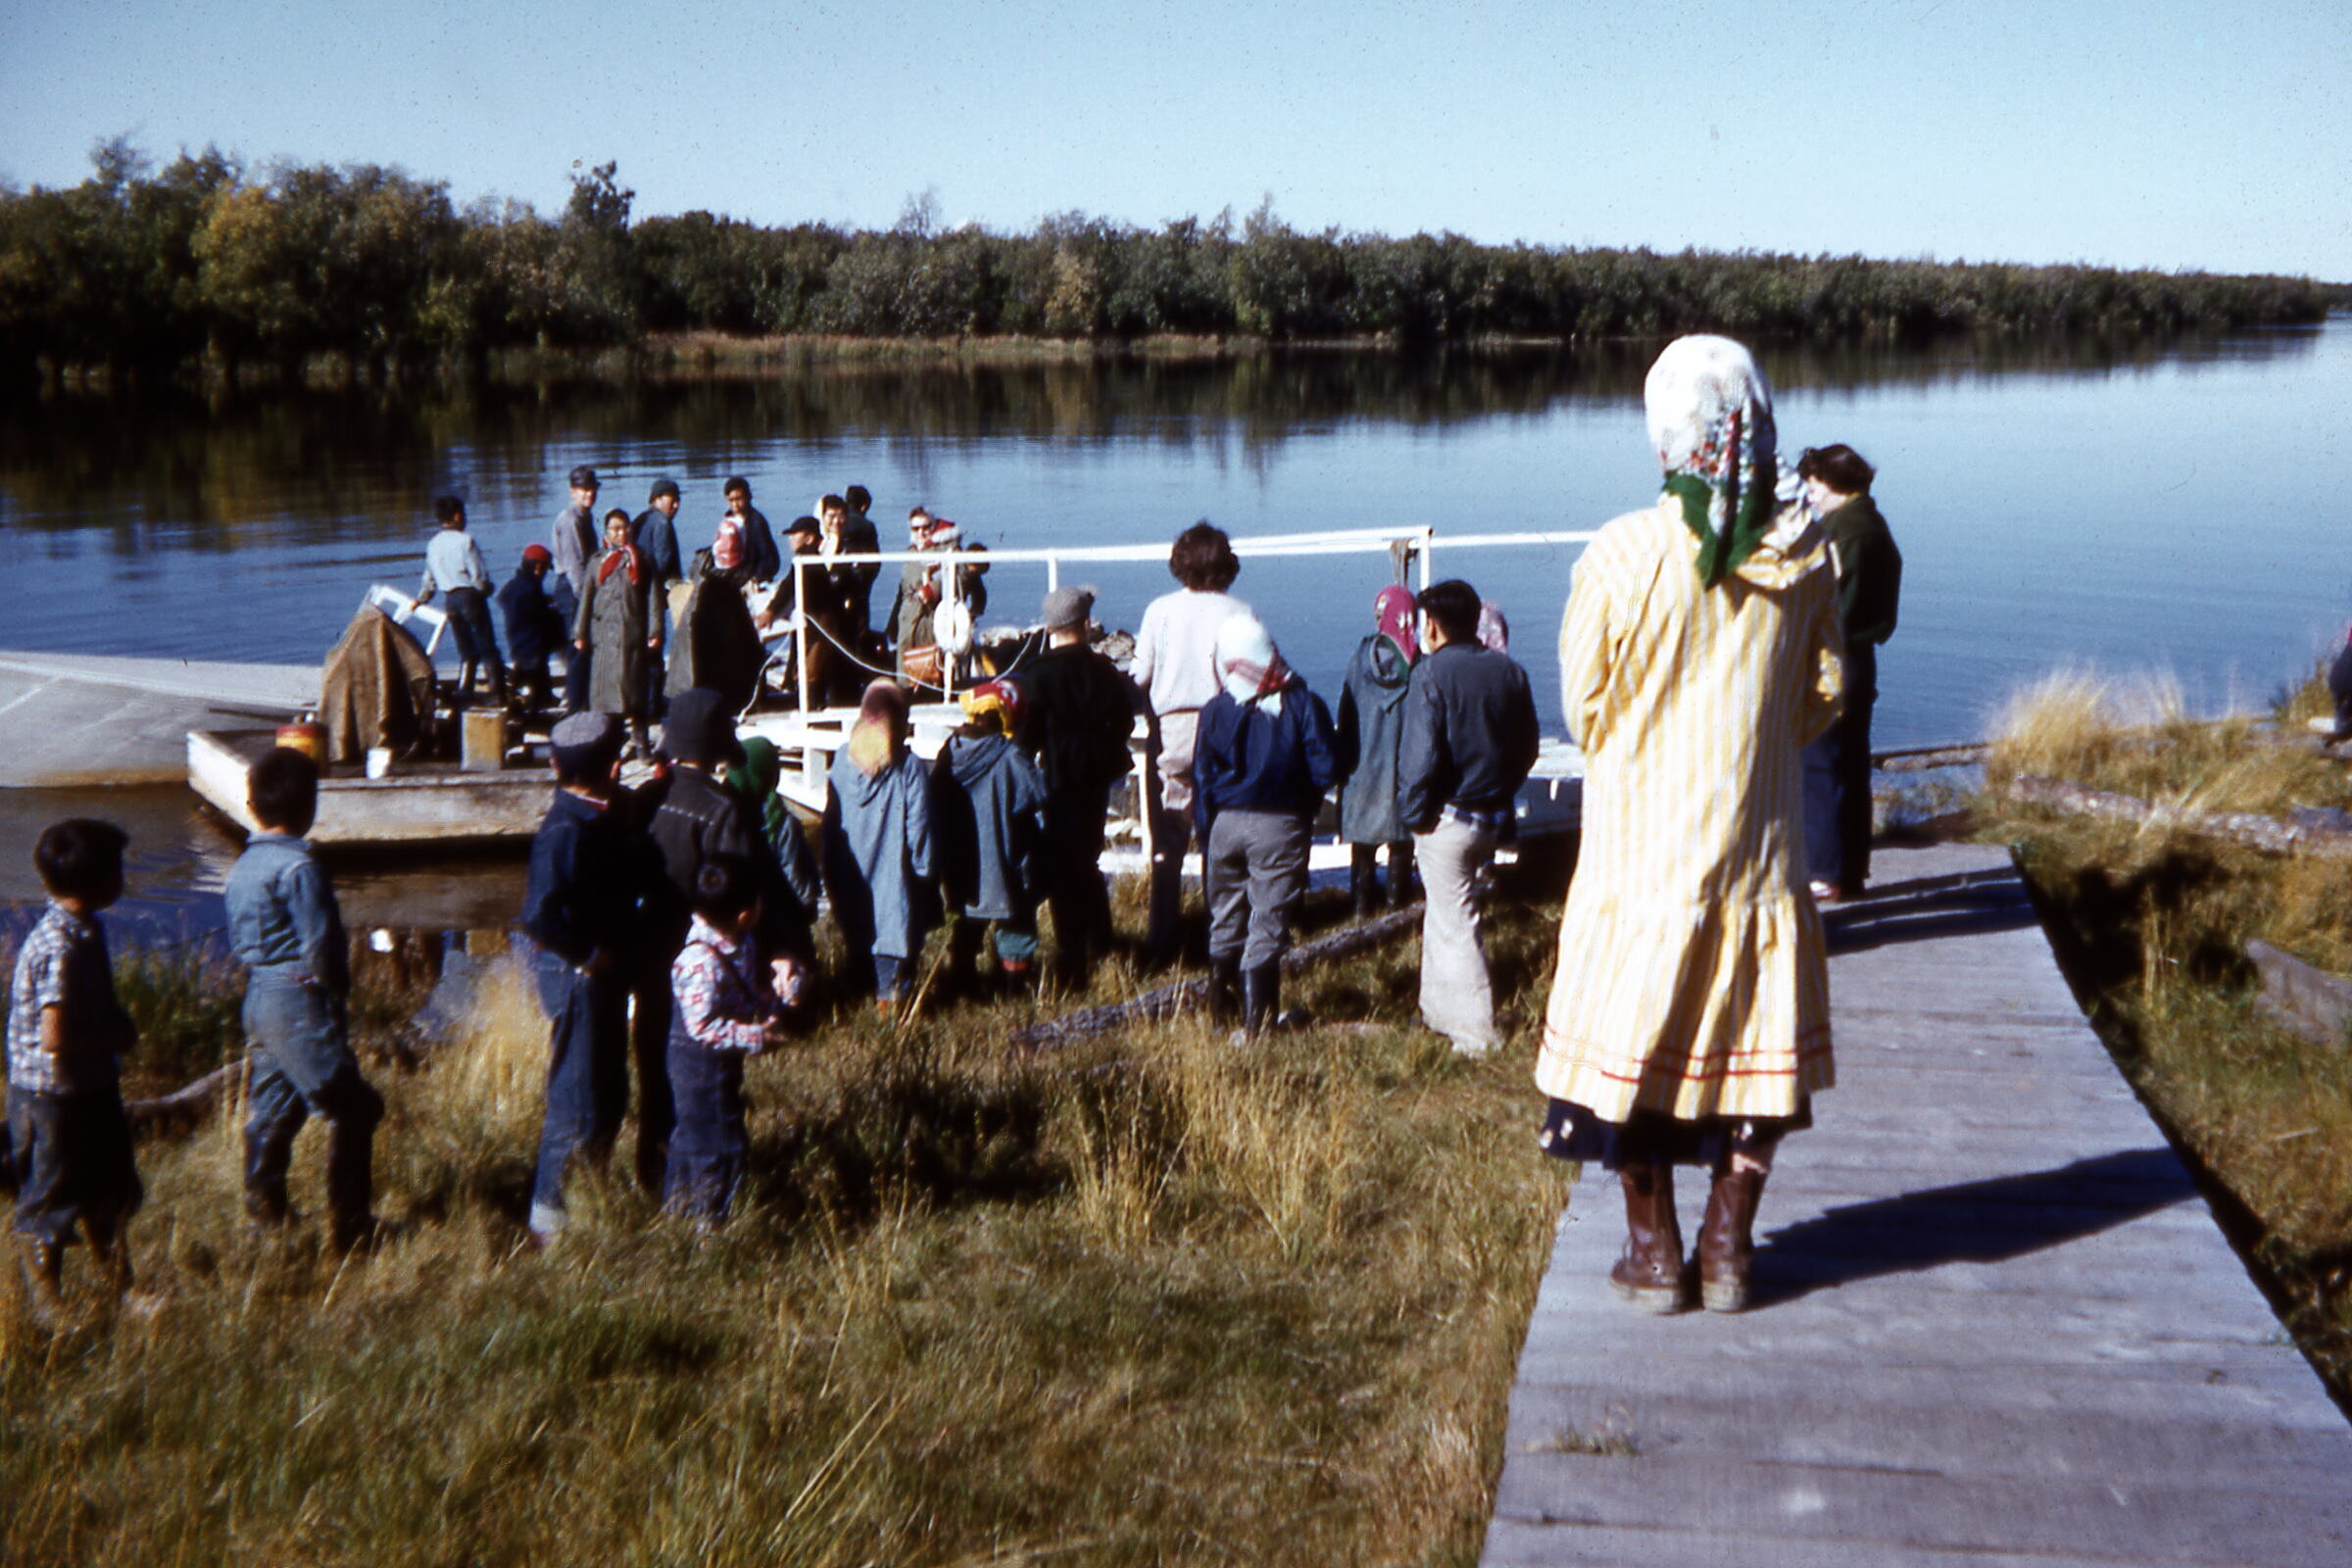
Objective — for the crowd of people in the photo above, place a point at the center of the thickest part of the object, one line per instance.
(1708, 640)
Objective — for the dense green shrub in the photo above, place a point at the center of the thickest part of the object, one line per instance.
(210, 260)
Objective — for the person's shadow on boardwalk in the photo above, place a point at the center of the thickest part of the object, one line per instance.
(1917, 912)
(1988, 1221)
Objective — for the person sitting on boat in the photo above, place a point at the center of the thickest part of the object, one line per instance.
(878, 855)
(987, 818)
(537, 621)
(1261, 766)
(452, 562)
(758, 540)
(617, 631)
(923, 590)
(806, 610)
(854, 583)
(1371, 722)
(1175, 664)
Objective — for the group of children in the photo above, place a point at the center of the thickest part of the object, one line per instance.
(670, 926)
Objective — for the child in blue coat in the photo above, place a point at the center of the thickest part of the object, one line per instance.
(988, 805)
(878, 857)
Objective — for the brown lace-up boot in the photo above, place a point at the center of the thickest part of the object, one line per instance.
(1727, 1245)
(1650, 1274)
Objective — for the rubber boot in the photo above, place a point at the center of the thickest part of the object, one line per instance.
(1225, 990)
(1401, 873)
(1261, 996)
(1649, 1273)
(44, 1280)
(1363, 878)
(1727, 1249)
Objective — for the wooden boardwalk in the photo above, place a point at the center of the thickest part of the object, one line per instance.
(1995, 1321)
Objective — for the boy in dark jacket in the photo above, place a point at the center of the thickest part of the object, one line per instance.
(987, 805)
(1262, 763)
(1075, 721)
(67, 1035)
(580, 911)
(288, 930)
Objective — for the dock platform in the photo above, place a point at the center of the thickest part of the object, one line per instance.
(1995, 1322)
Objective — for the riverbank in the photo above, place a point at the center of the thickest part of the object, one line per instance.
(1137, 1299)
(2152, 923)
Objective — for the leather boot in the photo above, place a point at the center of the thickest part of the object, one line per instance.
(1261, 996)
(44, 1278)
(1225, 990)
(1649, 1272)
(1726, 1247)
(1363, 879)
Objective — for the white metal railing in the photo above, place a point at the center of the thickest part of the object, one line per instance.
(1418, 542)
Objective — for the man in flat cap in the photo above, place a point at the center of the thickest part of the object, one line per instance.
(1079, 715)
(575, 543)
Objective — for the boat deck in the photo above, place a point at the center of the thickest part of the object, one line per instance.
(1996, 1323)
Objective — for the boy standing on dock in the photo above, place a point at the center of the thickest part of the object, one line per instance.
(286, 928)
(452, 561)
(67, 1035)
(579, 908)
(573, 547)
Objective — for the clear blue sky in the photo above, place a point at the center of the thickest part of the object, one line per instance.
(2171, 133)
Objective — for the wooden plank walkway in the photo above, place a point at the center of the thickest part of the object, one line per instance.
(1995, 1321)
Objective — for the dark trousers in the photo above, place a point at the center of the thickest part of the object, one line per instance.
(1071, 855)
(1836, 770)
(477, 642)
(575, 681)
(708, 1149)
(587, 1073)
(302, 1066)
(531, 683)
(649, 1052)
(74, 1166)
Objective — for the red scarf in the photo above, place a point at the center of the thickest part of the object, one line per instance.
(613, 558)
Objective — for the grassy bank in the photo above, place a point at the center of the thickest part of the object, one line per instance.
(1151, 1299)
(2151, 924)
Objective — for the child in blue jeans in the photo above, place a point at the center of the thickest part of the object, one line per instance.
(286, 928)
(726, 1009)
(67, 1035)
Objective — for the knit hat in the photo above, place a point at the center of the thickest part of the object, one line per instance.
(882, 723)
(664, 486)
(1066, 607)
(944, 532)
(538, 553)
(583, 737)
(699, 729)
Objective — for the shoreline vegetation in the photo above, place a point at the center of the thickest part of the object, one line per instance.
(207, 266)
(1140, 1299)
(2151, 920)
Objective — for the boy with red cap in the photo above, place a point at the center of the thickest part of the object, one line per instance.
(537, 621)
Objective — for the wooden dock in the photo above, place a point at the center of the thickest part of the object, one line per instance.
(1996, 1323)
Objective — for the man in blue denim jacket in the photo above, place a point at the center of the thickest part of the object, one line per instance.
(286, 928)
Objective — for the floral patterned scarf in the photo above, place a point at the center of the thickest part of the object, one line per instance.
(1251, 666)
(1710, 420)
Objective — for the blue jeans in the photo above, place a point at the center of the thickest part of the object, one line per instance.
(301, 1066)
(708, 1149)
(73, 1163)
(587, 1074)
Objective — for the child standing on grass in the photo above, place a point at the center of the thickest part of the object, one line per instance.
(618, 631)
(286, 927)
(580, 909)
(988, 806)
(725, 1007)
(67, 1035)
(878, 862)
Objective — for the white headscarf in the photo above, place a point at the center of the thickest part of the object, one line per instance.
(1710, 420)
(1249, 664)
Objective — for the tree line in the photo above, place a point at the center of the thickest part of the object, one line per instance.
(204, 259)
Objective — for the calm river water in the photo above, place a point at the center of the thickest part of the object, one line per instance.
(2172, 509)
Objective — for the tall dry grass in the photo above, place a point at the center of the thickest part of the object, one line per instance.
(1149, 1299)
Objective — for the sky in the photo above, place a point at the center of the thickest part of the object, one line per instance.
(2170, 134)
